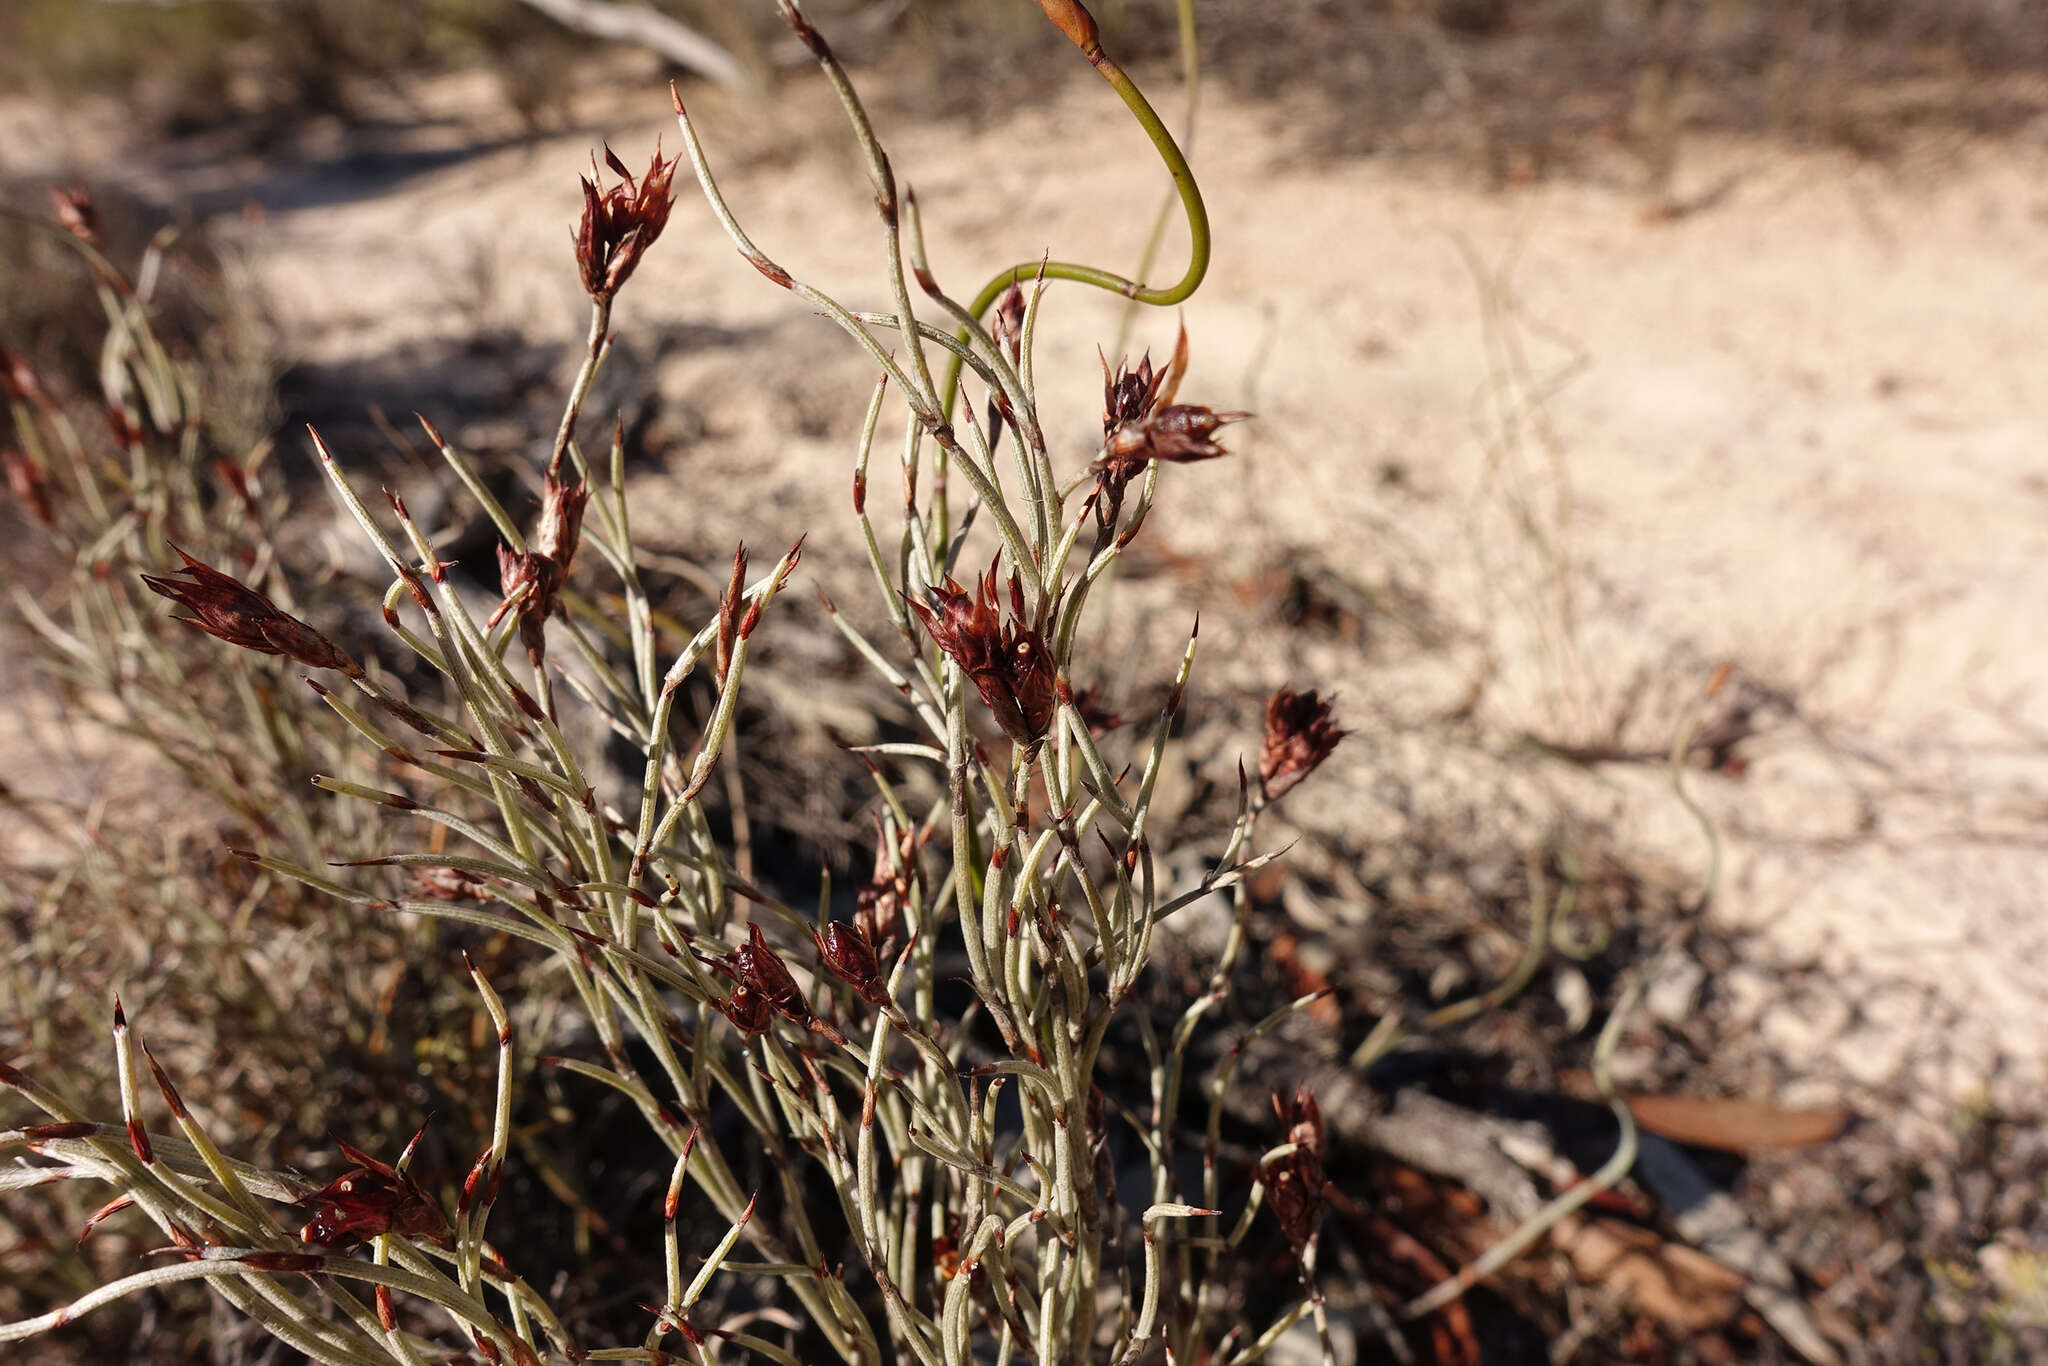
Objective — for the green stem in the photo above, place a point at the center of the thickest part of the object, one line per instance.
(1191, 201)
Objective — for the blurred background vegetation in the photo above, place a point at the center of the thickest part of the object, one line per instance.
(1387, 75)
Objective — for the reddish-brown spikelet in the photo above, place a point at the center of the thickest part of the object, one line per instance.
(448, 884)
(729, 611)
(1007, 660)
(1008, 324)
(621, 223)
(102, 1214)
(880, 904)
(230, 610)
(1301, 731)
(1294, 1184)
(561, 521)
(851, 958)
(542, 569)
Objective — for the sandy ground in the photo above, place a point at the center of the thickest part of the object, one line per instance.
(1595, 454)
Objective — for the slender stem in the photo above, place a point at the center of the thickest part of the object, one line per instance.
(1191, 203)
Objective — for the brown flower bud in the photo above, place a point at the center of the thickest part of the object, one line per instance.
(848, 955)
(230, 610)
(1073, 19)
(1300, 733)
(561, 521)
(621, 223)
(1294, 1183)
(1008, 661)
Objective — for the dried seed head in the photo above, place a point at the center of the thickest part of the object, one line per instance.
(1301, 731)
(230, 610)
(621, 223)
(1294, 1184)
(1008, 661)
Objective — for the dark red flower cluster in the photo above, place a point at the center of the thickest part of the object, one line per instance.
(621, 223)
(1301, 730)
(1294, 1184)
(1141, 423)
(230, 610)
(1007, 660)
(372, 1198)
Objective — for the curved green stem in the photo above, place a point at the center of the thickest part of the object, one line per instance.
(1190, 198)
(1191, 92)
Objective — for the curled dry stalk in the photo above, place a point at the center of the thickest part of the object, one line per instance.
(967, 1163)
